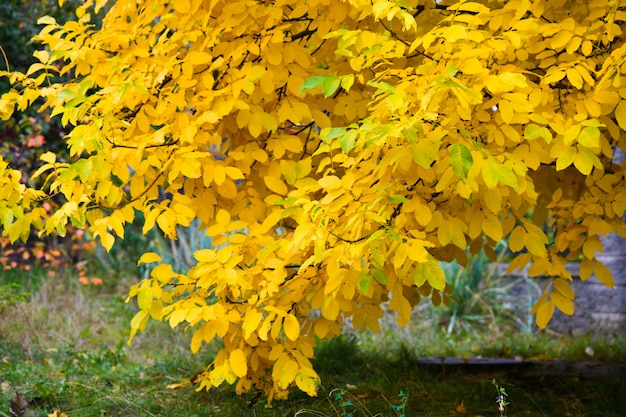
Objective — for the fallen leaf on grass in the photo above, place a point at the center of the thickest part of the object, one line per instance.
(460, 410)
(56, 414)
(18, 407)
(178, 385)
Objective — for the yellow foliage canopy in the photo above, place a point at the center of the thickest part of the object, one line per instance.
(335, 150)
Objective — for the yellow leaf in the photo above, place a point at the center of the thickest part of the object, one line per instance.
(219, 174)
(620, 114)
(493, 200)
(288, 169)
(205, 255)
(517, 239)
(418, 252)
(139, 322)
(575, 78)
(589, 137)
(144, 298)
(553, 76)
(594, 109)
(107, 240)
(561, 39)
(238, 363)
(270, 221)
(308, 381)
(49, 157)
(292, 327)
(156, 309)
(584, 161)
(430, 272)
(149, 257)
(401, 305)
(585, 74)
(400, 256)
(255, 125)
(150, 220)
(234, 173)
(167, 223)
(608, 97)
(251, 322)
(191, 168)
(182, 6)
(490, 173)
(564, 287)
(536, 244)
(586, 269)
(544, 314)
(222, 217)
(178, 385)
(178, 316)
(563, 303)
(603, 274)
(492, 226)
(423, 215)
(243, 118)
(198, 58)
(330, 182)
(573, 44)
(565, 158)
(274, 54)
(276, 185)
(445, 232)
(285, 371)
(471, 66)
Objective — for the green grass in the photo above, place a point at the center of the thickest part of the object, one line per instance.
(63, 347)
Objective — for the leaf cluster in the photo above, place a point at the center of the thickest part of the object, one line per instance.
(334, 152)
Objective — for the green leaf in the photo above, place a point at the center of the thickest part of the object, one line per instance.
(430, 271)
(465, 133)
(285, 201)
(311, 82)
(421, 154)
(347, 141)
(333, 133)
(534, 131)
(78, 219)
(410, 133)
(347, 81)
(507, 176)
(382, 86)
(451, 70)
(328, 83)
(397, 199)
(65, 94)
(392, 233)
(364, 281)
(380, 276)
(83, 168)
(461, 160)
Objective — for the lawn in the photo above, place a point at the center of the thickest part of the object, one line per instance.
(63, 348)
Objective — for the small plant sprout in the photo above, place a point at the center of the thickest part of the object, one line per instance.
(501, 398)
(345, 404)
(400, 408)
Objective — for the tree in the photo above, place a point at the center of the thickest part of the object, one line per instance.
(336, 152)
(29, 134)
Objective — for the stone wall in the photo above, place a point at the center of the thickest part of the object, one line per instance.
(598, 309)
